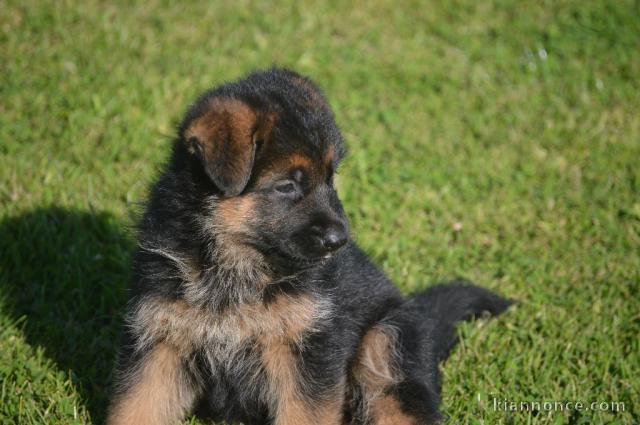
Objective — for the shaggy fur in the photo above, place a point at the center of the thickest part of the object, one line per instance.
(250, 303)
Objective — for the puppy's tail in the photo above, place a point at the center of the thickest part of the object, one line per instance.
(446, 304)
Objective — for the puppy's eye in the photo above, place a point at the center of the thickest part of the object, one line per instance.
(285, 187)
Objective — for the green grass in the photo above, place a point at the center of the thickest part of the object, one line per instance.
(496, 140)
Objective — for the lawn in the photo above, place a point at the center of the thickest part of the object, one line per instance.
(495, 140)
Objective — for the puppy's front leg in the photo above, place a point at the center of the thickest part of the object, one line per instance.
(156, 390)
(291, 404)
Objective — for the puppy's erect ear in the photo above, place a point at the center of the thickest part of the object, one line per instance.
(224, 136)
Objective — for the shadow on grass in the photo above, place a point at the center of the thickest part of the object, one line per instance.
(65, 273)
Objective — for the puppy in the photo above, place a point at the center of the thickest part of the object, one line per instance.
(250, 303)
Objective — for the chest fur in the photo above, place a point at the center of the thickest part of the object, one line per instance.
(284, 320)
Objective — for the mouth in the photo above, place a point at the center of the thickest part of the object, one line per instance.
(301, 260)
(282, 260)
(287, 262)
(287, 259)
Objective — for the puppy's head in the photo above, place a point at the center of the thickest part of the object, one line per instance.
(269, 147)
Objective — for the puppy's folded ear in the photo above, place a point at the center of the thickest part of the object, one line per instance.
(223, 133)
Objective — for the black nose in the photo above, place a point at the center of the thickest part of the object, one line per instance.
(331, 237)
(334, 238)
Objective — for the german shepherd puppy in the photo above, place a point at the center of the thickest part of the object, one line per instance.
(249, 301)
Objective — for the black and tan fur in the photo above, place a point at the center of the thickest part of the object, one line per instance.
(250, 303)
